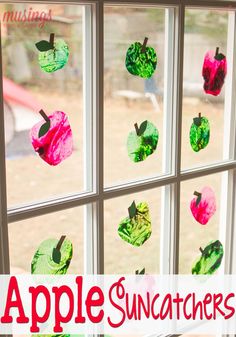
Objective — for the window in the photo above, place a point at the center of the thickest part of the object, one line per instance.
(87, 196)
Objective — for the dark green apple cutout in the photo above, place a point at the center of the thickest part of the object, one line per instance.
(141, 60)
(142, 142)
(199, 133)
(136, 228)
(210, 259)
(53, 54)
(52, 257)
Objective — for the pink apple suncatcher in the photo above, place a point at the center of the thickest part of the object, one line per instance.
(57, 143)
(203, 206)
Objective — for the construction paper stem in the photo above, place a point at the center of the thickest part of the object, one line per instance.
(198, 194)
(60, 242)
(45, 117)
(201, 250)
(136, 128)
(51, 40)
(199, 115)
(144, 45)
(217, 51)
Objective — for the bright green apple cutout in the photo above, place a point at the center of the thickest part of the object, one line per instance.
(53, 54)
(141, 60)
(52, 257)
(136, 228)
(142, 142)
(199, 133)
(210, 259)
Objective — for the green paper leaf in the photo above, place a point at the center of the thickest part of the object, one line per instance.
(56, 255)
(141, 272)
(43, 45)
(44, 129)
(197, 121)
(142, 128)
(132, 210)
(219, 57)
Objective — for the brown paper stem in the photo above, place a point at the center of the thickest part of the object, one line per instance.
(51, 40)
(45, 117)
(136, 128)
(60, 242)
(144, 45)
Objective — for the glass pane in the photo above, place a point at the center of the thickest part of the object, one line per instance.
(197, 232)
(121, 256)
(131, 99)
(28, 89)
(26, 236)
(201, 37)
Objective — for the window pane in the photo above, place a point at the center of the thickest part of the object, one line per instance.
(28, 88)
(26, 236)
(121, 256)
(202, 36)
(131, 99)
(195, 234)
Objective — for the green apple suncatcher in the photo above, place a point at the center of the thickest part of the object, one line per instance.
(141, 60)
(210, 259)
(53, 55)
(52, 257)
(199, 134)
(142, 142)
(136, 228)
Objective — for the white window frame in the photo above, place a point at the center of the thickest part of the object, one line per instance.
(93, 36)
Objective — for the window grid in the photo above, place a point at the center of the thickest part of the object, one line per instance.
(94, 200)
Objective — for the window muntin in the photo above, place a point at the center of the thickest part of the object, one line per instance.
(200, 37)
(120, 256)
(193, 235)
(131, 99)
(25, 236)
(30, 179)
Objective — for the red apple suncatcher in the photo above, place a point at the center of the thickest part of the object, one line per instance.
(203, 206)
(214, 71)
(52, 138)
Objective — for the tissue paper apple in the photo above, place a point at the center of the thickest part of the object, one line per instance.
(210, 259)
(52, 138)
(214, 71)
(52, 257)
(199, 133)
(204, 205)
(142, 142)
(53, 54)
(136, 228)
(141, 60)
